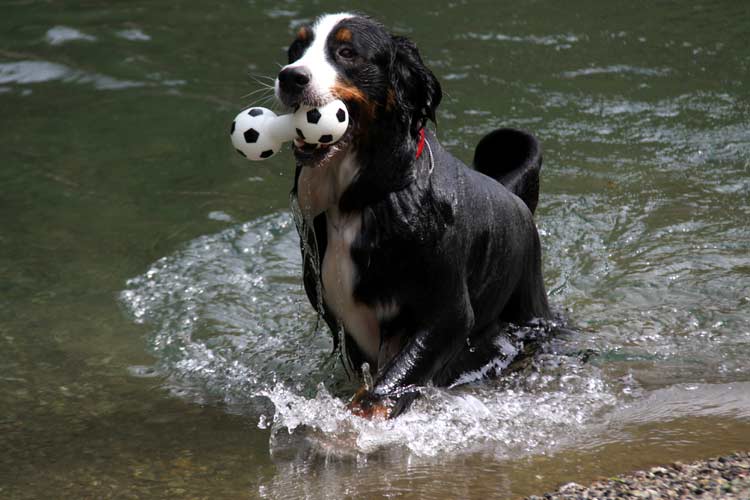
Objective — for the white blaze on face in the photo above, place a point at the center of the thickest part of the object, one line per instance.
(316, 60)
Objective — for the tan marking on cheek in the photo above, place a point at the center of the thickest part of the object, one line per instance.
(347, 92)
(344, 35)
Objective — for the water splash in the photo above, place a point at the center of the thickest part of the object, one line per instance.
(229, 322)
(228, 314)
(518, 416)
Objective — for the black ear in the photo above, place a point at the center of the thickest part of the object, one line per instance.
(417, 91)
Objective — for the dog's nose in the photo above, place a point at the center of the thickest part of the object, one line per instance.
(294, 79)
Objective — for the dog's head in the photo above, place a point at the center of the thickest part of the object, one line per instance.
(389, 91)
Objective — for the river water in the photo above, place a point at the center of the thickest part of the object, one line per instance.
(155, 340)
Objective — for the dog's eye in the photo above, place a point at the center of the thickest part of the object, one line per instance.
(346, 53)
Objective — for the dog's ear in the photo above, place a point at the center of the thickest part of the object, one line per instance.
(416, 89)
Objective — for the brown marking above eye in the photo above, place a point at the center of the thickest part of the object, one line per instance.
(303, 33)
(344, 35)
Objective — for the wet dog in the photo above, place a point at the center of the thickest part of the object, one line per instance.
(417, 262)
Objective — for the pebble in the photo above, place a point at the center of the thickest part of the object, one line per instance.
(725, 478)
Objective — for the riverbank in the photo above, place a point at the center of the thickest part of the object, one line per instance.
(726, 477)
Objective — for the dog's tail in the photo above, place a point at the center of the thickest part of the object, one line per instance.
(513, 158)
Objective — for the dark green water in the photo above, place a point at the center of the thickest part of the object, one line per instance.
(123, 375)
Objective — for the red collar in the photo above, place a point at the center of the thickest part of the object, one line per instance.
(420, 144)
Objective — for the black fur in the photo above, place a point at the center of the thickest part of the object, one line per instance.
(456, 249)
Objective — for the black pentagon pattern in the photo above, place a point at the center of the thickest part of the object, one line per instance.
(231, 131)
(255, 112)
(313, 116)
(241, 153)
(251, 135)
(325, 139)
(300, 134)
(341, 115)
(266, 153)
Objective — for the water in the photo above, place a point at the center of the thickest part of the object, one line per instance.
(154, 336)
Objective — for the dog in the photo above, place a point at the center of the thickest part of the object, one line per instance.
(417, 262)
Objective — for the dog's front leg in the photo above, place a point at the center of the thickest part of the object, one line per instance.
(424, 355)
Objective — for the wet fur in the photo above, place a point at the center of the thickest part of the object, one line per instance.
(444, 256)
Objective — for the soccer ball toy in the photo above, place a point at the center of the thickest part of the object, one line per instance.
(258, 133)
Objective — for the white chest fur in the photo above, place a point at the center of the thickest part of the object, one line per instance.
(339, 275)
(319, 190)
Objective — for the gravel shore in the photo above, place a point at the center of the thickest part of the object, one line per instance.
(725, 477)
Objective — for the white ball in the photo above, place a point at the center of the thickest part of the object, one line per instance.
(250, 136)
(323, 125)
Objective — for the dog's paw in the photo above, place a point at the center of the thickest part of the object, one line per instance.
(370, 406)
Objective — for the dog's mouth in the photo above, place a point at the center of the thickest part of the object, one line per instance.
(314, 155)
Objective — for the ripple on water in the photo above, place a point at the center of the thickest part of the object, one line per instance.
(657, 284)
(559, 41)
(134, 35)
(229, 321)
(616, 69)
(62, 34)
(28, 72)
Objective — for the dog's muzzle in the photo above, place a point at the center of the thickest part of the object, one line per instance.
(293, 84)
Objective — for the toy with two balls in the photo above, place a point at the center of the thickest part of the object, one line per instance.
(258, 133)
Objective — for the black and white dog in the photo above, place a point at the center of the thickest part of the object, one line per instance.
(421, 261)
